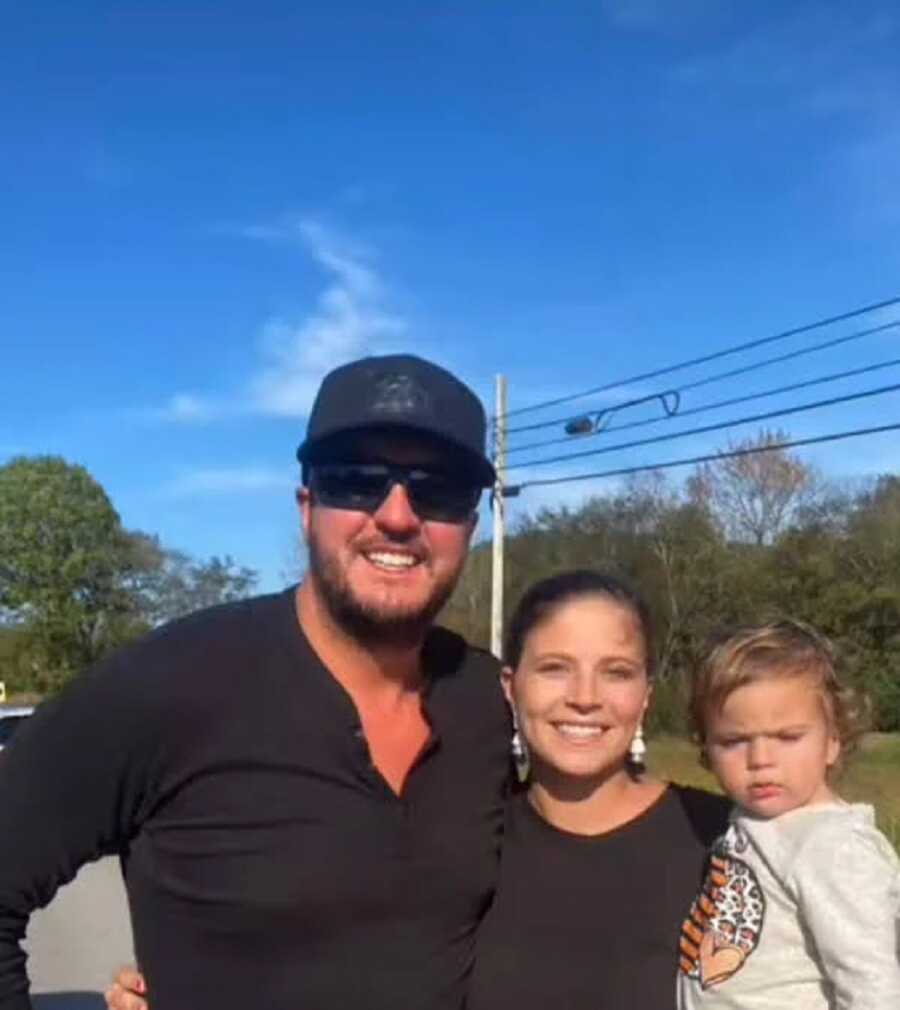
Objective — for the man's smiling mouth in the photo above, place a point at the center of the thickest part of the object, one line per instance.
(392, 561)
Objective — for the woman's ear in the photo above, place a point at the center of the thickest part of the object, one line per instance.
(647, 698)
(506, 676)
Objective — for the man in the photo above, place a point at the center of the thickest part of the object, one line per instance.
(305, 789)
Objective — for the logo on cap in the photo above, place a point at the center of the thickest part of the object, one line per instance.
(399, 394)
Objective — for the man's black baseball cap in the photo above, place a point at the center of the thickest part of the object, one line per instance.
(399, 392)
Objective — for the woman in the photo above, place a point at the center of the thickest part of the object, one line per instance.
(600, 861)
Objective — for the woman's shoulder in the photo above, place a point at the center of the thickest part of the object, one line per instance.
(706, 812)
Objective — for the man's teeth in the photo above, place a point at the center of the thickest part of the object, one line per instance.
(386, 559)
(579, 731)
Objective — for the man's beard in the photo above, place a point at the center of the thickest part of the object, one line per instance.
(366, 622)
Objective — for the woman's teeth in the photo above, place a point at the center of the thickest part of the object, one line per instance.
(579, 731)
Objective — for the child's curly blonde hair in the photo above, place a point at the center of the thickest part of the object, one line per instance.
(785, 648)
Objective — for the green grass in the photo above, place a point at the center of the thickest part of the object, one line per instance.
(872, 775)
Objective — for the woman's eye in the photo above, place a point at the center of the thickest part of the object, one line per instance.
(622, 672)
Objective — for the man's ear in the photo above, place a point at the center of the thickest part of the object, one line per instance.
(304, 504)
(472, 525)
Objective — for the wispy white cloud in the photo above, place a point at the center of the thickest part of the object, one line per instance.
(349, 319)
(225, 480)
(189, 408)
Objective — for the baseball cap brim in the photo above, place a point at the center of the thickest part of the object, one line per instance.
(335, 445)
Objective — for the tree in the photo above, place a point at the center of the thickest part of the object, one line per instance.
(682, 574)
(64, 559)
(172, 583)
(74, 584)
(755, 496)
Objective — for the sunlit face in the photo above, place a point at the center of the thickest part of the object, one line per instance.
(386, 574)
(771, 745)
(580, 689)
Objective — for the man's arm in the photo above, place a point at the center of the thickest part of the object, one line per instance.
(128, 991)
(73, 783)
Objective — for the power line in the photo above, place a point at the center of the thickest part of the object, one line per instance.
(790, 355)
(711, 427)
(706, 407)
(730, 374)
(514, 489)
(759, 342)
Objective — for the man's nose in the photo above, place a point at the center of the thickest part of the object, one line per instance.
(396, 514)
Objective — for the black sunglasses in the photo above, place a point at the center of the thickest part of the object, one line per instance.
(363, 487)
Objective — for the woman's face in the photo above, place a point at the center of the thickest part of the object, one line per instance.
(581, 688)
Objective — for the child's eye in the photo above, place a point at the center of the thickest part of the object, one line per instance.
(729, 742)
(553, 669)
(790, 737)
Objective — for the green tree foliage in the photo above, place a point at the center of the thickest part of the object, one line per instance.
(64, 560)
(829, 557)
(172, 583)
(75, 584)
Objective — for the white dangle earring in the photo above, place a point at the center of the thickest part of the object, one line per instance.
(638, 749)
(518, 749)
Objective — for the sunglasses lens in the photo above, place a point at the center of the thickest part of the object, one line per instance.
(364, 486)
(440, 498)
(350, 486)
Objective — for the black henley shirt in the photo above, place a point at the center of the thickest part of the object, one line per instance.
(267, 862)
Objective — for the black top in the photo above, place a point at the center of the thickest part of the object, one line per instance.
(592, 923)
(268, 864)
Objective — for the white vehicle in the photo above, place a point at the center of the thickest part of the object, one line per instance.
(11, 717)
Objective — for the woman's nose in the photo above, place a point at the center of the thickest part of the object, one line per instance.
(584, 691)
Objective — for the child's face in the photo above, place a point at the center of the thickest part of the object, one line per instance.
(771, 745)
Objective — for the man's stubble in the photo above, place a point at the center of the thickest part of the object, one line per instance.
(367, 622)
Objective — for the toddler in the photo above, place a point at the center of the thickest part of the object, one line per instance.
(800, 907)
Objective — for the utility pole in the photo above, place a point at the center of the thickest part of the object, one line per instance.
(499, 516)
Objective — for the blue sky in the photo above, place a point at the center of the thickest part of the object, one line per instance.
(207, 205)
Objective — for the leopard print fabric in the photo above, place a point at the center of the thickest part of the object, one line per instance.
(723, 926)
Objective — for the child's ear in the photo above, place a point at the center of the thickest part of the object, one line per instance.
(833, 752)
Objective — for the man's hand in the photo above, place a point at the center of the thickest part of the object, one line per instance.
(127, 991)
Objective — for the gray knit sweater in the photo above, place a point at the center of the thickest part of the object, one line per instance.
(799, 911)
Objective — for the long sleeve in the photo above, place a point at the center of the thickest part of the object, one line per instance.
(847, 881)
(72, 783)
